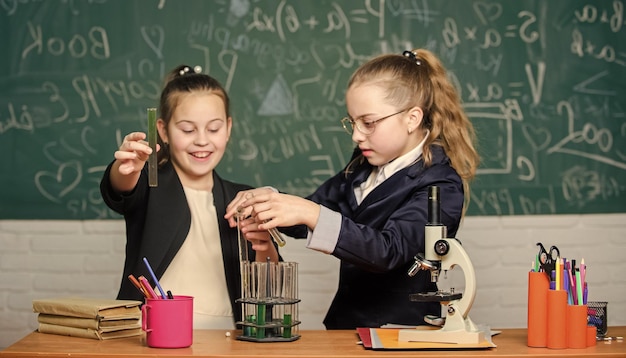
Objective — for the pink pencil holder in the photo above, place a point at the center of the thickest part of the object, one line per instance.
(168, 323)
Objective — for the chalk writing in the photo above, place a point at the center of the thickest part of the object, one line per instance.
(542, 82)
(95, 44)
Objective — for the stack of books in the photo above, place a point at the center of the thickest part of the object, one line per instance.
(89, 317)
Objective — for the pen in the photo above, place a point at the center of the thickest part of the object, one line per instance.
(537, 265)
(146, 285)
(567, 288)
(572, 285)
(583, 270)
(145, 260)
(557, 270)
(136, 283)
(579, 288)
(619, 338)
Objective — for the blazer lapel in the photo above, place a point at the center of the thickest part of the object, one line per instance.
(355, 178)
(228, 239)
(167, 221)
(396, 185)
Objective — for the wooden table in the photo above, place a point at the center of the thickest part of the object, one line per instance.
(214, 343)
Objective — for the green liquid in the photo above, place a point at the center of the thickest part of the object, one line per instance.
(287, 328)
(249, 331)
(260, 320)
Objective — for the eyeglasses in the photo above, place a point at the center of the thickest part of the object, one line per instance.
(366, 128)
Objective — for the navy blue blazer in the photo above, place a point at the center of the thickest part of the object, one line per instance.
(157, 223)
(380, 237)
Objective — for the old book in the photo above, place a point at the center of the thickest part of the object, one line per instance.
(87, 332)
(101, 309)
(89, 323)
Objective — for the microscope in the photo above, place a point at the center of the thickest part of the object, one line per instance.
(443, 254)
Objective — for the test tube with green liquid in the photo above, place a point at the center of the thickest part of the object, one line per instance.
(152, 142)
(287, 325)
(289, 291)
(260, 320)
(263, 293)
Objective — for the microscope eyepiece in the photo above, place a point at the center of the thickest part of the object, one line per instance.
(434, 208)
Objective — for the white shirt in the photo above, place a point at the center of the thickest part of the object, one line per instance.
(326, 234)
(198, 268)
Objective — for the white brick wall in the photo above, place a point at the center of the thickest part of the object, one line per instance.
(51, 258)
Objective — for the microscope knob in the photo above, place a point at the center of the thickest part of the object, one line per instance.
(442, 247)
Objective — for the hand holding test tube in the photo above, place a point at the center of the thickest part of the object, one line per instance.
(274, 233)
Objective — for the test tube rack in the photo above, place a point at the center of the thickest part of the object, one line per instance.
(269, 302)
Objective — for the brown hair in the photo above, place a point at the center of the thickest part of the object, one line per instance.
(181, 81)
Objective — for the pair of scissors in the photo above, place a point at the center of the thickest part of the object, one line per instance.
(547, 259)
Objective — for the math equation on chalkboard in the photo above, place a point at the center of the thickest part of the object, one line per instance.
(542, 82)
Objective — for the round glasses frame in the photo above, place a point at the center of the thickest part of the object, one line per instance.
(366, 128)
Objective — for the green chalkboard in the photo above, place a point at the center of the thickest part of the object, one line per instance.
(543, 81)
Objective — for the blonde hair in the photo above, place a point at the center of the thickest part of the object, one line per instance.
(420, 79)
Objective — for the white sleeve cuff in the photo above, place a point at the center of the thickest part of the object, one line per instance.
(326, 234)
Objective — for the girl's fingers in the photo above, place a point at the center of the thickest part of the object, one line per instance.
(140, 147)
(124, 155)
(126, 168)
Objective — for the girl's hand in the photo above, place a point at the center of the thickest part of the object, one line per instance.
(239, 207)
(271, 209)
(133, 153)
(260, 239)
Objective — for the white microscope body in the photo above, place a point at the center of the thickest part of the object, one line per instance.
(444, 253)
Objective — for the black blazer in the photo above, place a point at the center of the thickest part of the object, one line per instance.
(380, 237)
(157, 224)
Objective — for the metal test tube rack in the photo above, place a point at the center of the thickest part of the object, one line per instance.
(270, 302)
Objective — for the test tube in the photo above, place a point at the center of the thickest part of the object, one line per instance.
(274, 233)
(262, 295)
(246, 277)
(277, 236)
(152, 142)
(243, 247)
(290, 294)
(246, 308)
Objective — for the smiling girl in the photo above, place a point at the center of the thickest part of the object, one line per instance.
(178, 225)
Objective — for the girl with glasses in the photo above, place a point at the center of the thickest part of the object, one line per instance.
(410, 132)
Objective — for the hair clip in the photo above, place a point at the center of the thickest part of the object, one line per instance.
(412, 56)
(187, 69)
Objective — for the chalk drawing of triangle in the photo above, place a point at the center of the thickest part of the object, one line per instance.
(278, 100)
